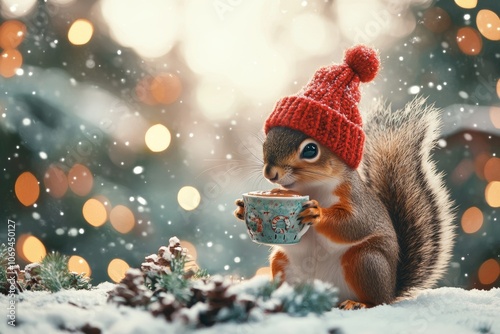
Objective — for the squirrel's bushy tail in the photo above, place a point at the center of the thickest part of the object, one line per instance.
(397, 165)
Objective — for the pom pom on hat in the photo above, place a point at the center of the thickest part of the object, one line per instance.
(363, 61)
(326, 109)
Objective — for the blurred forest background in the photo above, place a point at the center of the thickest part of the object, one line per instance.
(123, 123)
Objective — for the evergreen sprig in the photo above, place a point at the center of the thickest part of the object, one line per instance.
(3, 269)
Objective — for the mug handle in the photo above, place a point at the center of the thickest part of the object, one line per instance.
(303, 231)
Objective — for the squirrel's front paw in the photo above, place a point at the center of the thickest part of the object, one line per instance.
(311, 213)
(240, 210)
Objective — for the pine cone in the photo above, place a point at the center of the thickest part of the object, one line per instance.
(13, 272)
(166, 305)
(131, 290)
(162, 262)
(32, 278)
(218, 297)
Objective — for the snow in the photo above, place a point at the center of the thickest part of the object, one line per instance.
(443, 310)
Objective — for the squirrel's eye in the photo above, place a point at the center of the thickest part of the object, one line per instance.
(310, 151)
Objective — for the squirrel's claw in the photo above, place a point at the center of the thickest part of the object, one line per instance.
(240, 210)
(352, 305)
(311, 213)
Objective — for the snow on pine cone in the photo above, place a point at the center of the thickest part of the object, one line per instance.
(131, 290)
(163, 261)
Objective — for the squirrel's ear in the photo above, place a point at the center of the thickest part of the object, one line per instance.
(309, 150)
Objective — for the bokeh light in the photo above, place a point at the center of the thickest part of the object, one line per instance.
(492, 194)
(12, 33)
(495, 112)
(55, 181)
(27, 188)
(469, 41)
(467, 4)
(492, 169)
(157, 138)
(30, 248)
(304, 27)
(80, 32)
(264, 271)
(215, 97)
(80, 180)
(117, 269)
(166, 88)
(94, 212)
(191, 249)
(489, 272)
(16, 8)
(10, 61)
(472, 220)
(488, 24)
(79, 265)
(189, 198)
(436, 19)
(151, 33)
(122, 219)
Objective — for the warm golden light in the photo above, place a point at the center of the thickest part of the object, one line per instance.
(105, 201)
(469, 41)
(488, 24)
(191, 249)
(157, 138)
(12, 33)
(10, 61)
(166, 88)
(27, 189)
(122, 219)
(264, 271)
(492, 194)
(143, 91)
(117, 269)
(94, 212)
(495, 111)
(80, 180)
(31, 248)
(489, 272)
(56, 182)
(492, 169)
(472, 220)
(498, 92)
(467, 4)
(79, 265)
(80, 32)
(189, 198)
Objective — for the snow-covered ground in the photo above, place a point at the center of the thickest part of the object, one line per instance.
(443, 310)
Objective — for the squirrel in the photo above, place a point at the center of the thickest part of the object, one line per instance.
(381, 222)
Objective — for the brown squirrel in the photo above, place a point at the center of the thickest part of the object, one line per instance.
(381, 231)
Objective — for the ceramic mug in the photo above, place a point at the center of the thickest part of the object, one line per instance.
(274, 219)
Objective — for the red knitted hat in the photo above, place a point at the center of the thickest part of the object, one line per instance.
(326, 109)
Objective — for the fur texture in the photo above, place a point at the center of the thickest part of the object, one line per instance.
(379, 232)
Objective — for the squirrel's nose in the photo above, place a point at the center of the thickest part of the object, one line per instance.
(271, 173)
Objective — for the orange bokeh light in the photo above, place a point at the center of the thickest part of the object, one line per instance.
(492, 194)
(117, 269)
(94, 212)
(467, 4)
(191, 249)
(79, 265)
(498, 92)
(80, 180)
(164, 88)
(489, 272)
(12, 33)
(488, 24)
(263, 271)
(30, 248)
(492, 169)
(472, 220)
(436, 19)
(122, 219)
(27, 189)
(10, 61)
(469, 41)
(55, 181)
(495, 111)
